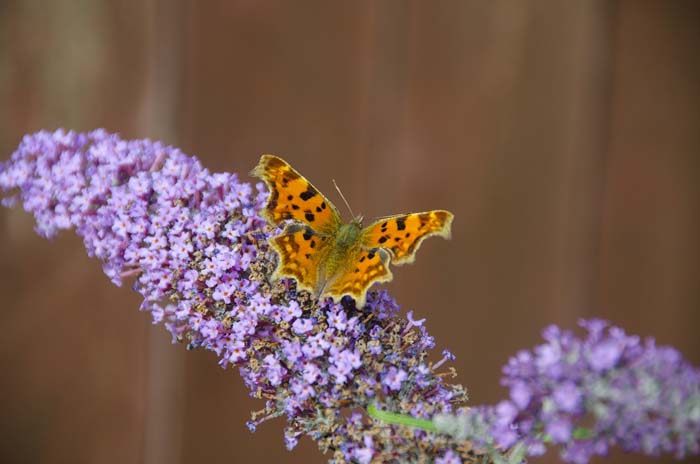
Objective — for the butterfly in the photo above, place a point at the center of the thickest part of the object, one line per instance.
(327, 257)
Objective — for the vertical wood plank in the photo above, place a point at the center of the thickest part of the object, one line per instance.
(650, 250)
(160, 117)
(72, 349)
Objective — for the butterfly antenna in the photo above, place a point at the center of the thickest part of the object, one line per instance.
(343, 197)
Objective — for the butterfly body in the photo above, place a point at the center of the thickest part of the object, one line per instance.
(346, 242)
(326, 256)
(348, 234)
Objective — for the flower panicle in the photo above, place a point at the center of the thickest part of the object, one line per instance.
(197, 248)
(587, 394)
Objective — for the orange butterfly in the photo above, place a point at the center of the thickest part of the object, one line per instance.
(327, 257)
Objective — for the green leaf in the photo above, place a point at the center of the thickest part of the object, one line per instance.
(400, 419)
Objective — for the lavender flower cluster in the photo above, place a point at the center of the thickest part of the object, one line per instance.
(588, 394)
(197, 249)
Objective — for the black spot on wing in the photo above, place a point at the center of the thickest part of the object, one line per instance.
(310, 216)
(401, 223)
(307, 235)
(295, 207)
(309, 193)
(383, 239)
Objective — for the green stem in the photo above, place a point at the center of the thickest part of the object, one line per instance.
(579, 433)
(582, 433)
(400, 419)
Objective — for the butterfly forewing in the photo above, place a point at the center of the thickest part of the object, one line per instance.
(403, 234)
(293, 197)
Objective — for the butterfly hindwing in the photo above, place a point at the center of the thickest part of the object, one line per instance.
(301, 254)
(293, 197)
(363, 269)
(403, 234)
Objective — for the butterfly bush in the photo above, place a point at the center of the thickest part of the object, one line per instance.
(356, 381)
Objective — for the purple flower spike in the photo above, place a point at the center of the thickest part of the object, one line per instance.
(586, 395)
(197, 249)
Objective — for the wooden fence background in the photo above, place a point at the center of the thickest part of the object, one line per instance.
(565, 137)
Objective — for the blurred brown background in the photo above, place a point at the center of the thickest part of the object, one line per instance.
(565, 137)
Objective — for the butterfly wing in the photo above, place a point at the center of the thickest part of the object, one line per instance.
(302, 253)
(364, 268)
(404, 233)
(293, 197)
